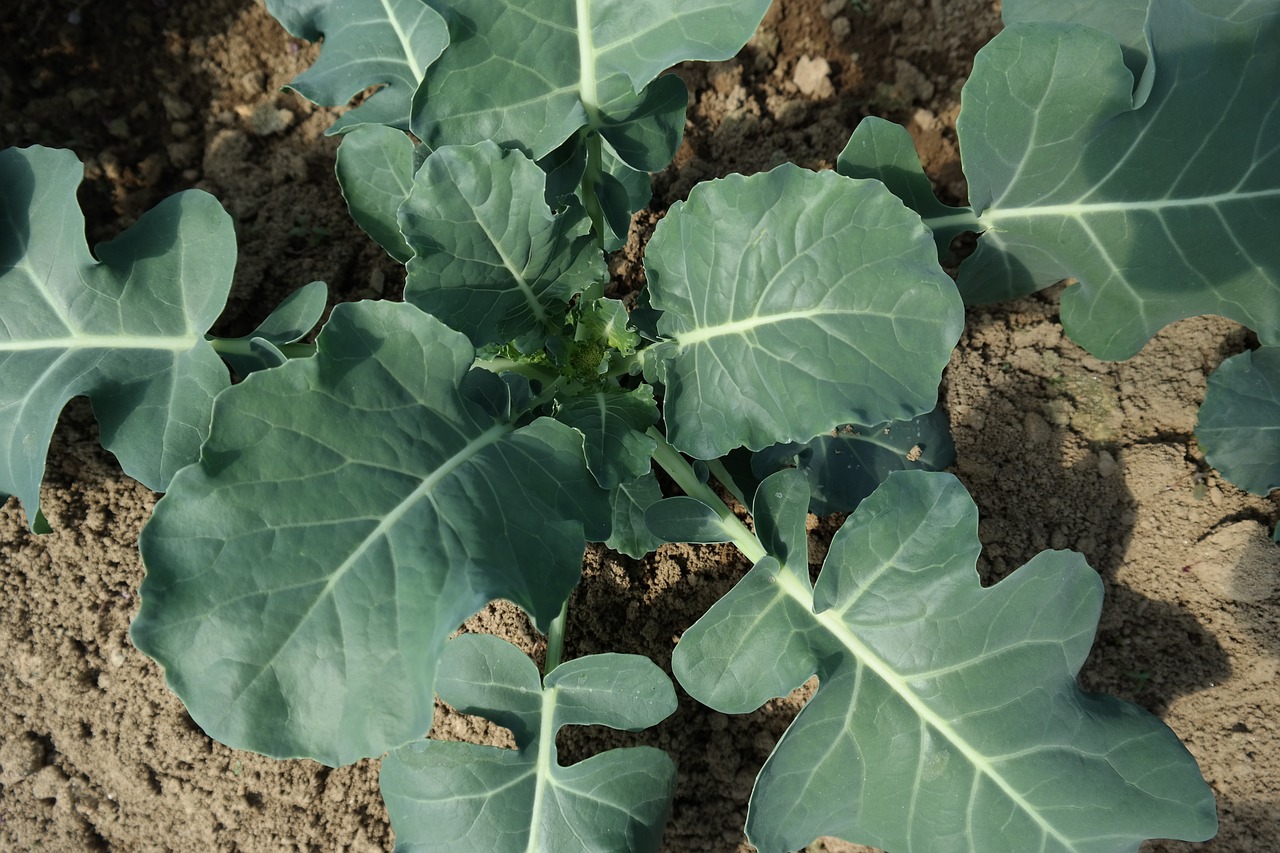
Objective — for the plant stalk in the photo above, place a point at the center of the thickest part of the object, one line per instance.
(240, 346)
(682, 472)
(555, 640)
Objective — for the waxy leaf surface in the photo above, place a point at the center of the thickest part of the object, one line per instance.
(531, 74)
(348, 512)
(1239, 426)
(490, 257)
(375, 170)
(291, 320)
(613, 424)
(630, 535)
(462, 797)
(125, 329)
(794, 301)
(948, 715)
(845, 466)
(1162, 211)
(384, 43)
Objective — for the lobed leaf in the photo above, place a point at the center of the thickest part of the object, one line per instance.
(490, 257)
(383, 43)
(792, 301)
(1159, 211)
(1239, 426)
(948, 715)
(532, 74)
(348, 512)
(291, 320)
(125, 329)
(613, 424)
(445, 796)
(631, 535)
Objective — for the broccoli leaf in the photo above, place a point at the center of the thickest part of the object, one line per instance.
(613, 424)
(302, 578)
(948, 715)
(125, 330)
(375, 170)
(1239, 425)
(1069, 179)
(792, 301)
(845, 466)
(445, 796)
(631, 535)
(490, 257)
(384, 43)
(291, 320)
(531, 74)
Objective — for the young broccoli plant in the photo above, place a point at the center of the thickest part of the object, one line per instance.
(350, 506)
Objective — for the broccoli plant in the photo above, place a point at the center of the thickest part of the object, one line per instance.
(331, 519)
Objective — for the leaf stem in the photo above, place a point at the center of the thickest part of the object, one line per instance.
(671, 461)
(240, 346)
(555, 639)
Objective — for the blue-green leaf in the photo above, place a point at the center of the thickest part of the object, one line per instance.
(458, 797)
(490, 257)
(303, 577)
(613, 424)
(631, 535)
(948, 715)
(384, 43)
(532, 74)
(1239, 425)
(375, 170)
(846, 465)
(291, 320)
(1077, 172)
(125, 329)
(795, 300)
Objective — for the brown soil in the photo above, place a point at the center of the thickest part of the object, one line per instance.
(1059, 449)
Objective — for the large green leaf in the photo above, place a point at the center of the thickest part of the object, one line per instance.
(126, 330)
(1239, 426)
(383, 43)
(348, 512)
(948, 716)
(490, 257)
(795, 300)
(457, 797)
(531, 74)
(1160, 212)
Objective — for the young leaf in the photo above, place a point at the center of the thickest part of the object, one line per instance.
(302, 578)
(1156, 221)
(846, 465)
(1239, 425)
(531, 74)
(384, 43)
(795, 300)
(630, 535)
(292, 319)
(126, 330)
(612, 423)
(947, 716)
(490, 257)
(375, 170)
(448, 797)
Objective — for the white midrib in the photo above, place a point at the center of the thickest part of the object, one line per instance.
(542, 775)
(1080, 209)
(741, 327)
(405, 44)
(587, 91)
(174, 343)
(792, 586)
(392, 518)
